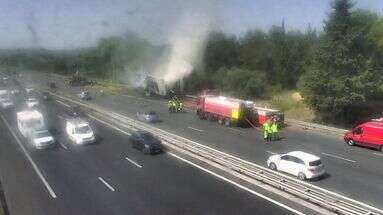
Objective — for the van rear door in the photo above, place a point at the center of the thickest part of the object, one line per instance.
(373, 136)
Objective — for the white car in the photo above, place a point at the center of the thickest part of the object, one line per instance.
(301, 164)
(32, 102)
(6, 104)
(79, 131)
(42, 139)
(29, 89)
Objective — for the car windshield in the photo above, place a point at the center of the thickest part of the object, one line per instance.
(82, 129)
(315, 163)
(147, 137)
(40, 134)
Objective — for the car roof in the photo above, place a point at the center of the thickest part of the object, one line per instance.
(306, 157)
(376, 124)
(140, 132)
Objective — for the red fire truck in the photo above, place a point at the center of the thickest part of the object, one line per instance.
(227, 111)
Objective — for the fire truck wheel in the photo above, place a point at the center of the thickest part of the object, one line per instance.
(220, 121)
(227, 123)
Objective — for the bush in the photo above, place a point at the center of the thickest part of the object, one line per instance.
(244, 83)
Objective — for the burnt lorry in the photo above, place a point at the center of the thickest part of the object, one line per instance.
(154, 86)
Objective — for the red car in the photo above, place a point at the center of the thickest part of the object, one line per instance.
(368, 134)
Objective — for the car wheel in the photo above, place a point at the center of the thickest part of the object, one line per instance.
(350, 142)
(272, 166)
(301, 176)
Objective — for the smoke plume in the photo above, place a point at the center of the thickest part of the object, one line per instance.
(187, 40)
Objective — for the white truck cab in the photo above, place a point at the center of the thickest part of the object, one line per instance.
(79, 131)
(29, 121)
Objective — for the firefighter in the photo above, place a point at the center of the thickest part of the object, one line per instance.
(170, 105)
(174, 106)
(274, 129)
(266, 131)
(179, 105)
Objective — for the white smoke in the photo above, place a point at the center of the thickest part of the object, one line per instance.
(187, 40)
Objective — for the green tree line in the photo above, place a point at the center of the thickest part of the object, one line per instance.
(339, 71)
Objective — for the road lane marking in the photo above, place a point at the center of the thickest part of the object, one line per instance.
(379, 154)
(106, 184)
(236, 184)
(63, 146)
(133, 162)
(236, 130)
(336, 156)
(37, 170)
(110, 125)
(195, 129)
(63, 103)
(273, 153)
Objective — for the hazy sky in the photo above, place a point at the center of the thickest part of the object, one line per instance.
(74, 23)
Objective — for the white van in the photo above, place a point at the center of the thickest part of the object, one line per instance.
(29, 121)
(79, 131)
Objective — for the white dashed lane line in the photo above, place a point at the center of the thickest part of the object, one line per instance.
(133, 162)
(338, 157)
(106, 184)
(195, 129)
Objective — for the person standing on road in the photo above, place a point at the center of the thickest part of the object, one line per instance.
(274, 130)
(266, 129)
(170, 105)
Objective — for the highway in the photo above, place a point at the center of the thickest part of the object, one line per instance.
(355, 172)
(109, 177)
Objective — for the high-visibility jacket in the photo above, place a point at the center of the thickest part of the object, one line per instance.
(170, 103)
(266, 129)
(274, 128)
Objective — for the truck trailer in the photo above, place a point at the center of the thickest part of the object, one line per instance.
(227, 111)
(29, 122)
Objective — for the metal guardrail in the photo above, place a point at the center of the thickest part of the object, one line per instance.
(316, 126)
(319, 196)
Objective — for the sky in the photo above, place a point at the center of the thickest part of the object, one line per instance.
(66, 24)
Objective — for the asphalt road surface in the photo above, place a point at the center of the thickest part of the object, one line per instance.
(108, 177)
(354, 172)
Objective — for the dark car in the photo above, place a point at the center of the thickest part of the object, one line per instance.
(46, 96)
(146, 142)
(150, 116)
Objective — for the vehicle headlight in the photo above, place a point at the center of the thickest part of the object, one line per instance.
(146, 146)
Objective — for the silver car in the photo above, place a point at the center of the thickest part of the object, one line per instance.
(150, 116)
(42, 139)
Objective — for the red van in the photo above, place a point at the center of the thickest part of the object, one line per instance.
(368, 134)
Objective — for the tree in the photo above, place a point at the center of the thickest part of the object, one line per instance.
(221, 51)
(241, 82)
(344, 77)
